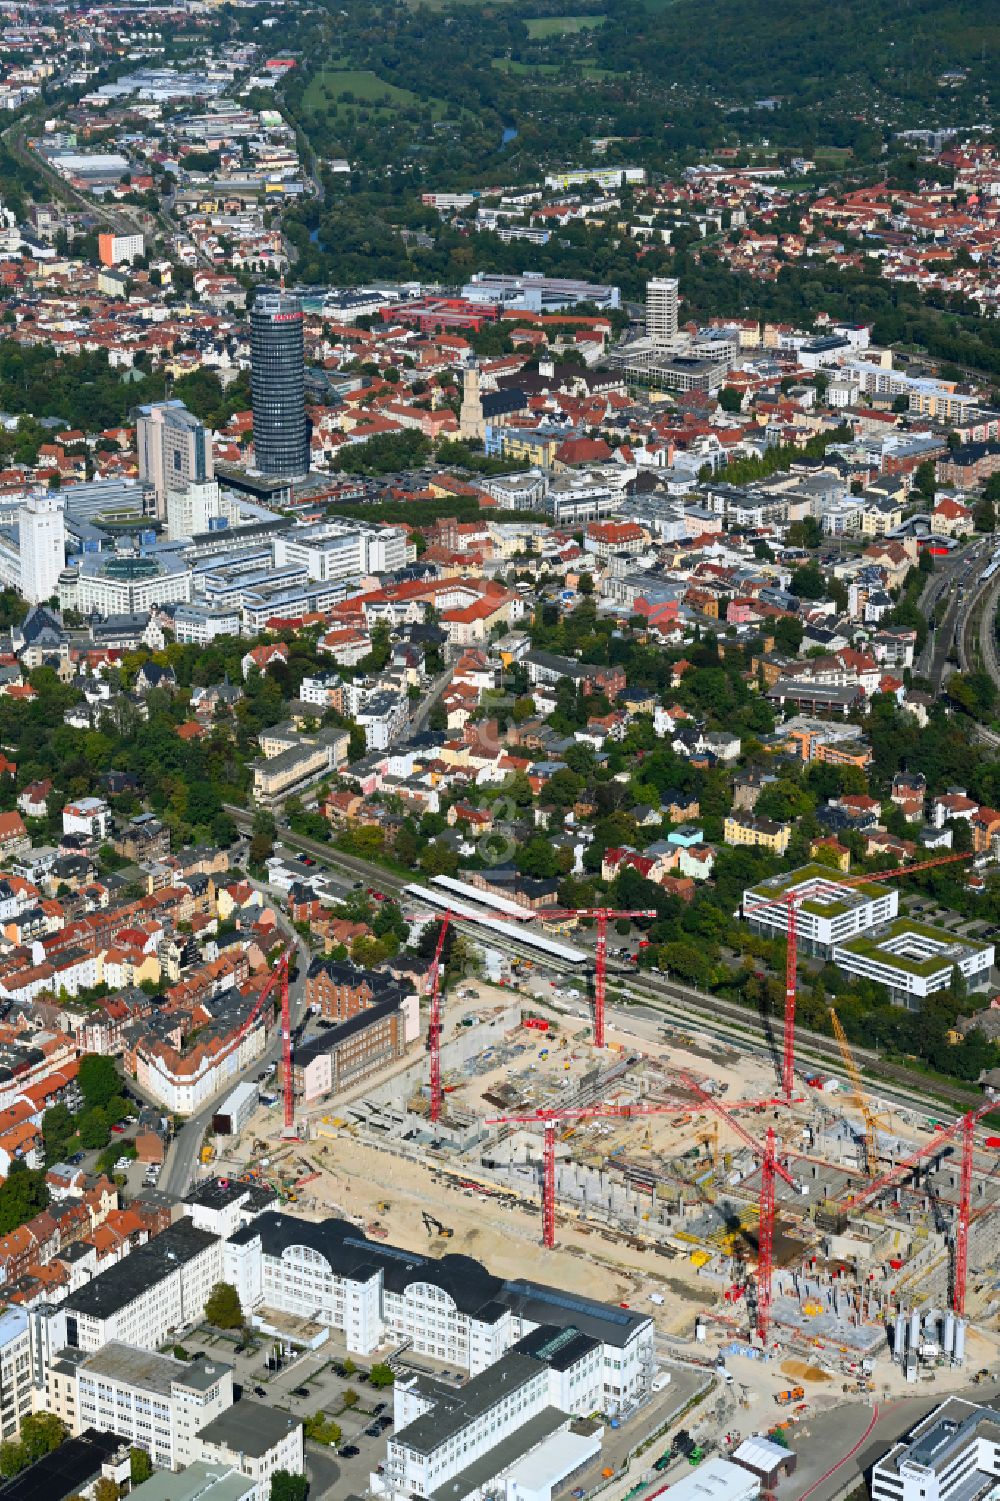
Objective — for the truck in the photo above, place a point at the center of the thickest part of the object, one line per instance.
(789, 1395)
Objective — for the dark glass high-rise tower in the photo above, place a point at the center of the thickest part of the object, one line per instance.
(277, 380)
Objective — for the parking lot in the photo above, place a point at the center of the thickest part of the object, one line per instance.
(306, 1384)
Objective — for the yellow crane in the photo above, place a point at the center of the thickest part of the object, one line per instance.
(871, 1120)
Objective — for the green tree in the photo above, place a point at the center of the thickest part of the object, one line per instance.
(808, 582)
(141, 1466)
(94, 1128)
(41, 1434)
(350, 1398)
(381, 1375)
(223, 1308)
(99, 1080)
(13, 1458)
(58, 1129)
(322, 1430)
(924, 481)
(537, 858)
(286, 1486)
(22, 1196)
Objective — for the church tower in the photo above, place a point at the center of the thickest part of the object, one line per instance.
(471, 423)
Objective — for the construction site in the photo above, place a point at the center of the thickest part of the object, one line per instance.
(758, 1213)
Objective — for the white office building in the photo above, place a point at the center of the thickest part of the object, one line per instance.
(124, 583)
(827, 911)
(951, 1454)
(153, 1402)
(156, 1289)
(16, 1376)
(41, 525)
(914, 959)
(193, 509)
(661, 311)
(256, 1440)
(451, 1308)
(342, 550)
(446, 1435)
(200, 624)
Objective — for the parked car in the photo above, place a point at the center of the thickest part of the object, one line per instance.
(348, 1451)
(259, 1391)
(301, 1391)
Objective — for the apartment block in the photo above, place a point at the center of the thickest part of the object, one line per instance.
(757, 833)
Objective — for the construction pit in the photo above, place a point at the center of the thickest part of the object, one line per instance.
(657, 1209)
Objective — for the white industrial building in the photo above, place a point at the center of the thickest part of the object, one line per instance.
(450, 1308)
(470, 1436)
(256, 1440)
(180, 1412)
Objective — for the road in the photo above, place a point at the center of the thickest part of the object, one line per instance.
(182, 1156)
(955, 579)
(842, 1446)
(429, 699)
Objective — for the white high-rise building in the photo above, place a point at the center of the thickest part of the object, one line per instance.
(42, 540)
(661, 310)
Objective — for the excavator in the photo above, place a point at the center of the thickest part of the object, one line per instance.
(435, 1227)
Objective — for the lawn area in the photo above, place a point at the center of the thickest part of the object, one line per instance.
(332, 84)
(544, 26)
(508, 65)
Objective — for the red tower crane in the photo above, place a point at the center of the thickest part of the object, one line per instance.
(548, 1118)
(966, 1127)
(770, 1168)
(278, 976)
(434, 1025)
(964, 1207)
(791, 899)
(601, 916)
(765, 1236)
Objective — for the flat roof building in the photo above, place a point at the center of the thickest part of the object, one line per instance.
(160, 1286)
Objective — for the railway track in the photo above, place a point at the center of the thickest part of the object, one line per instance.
(731, 1022)
(696, 1009)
